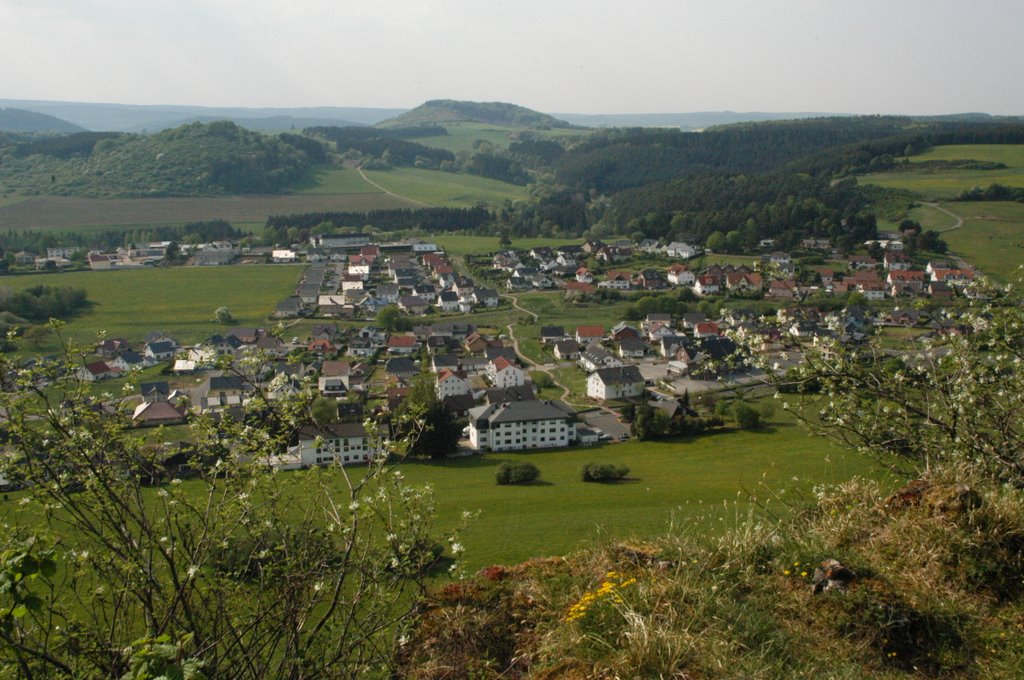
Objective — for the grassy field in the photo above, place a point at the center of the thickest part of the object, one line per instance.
(448, 189)
(461, 136)
(180, 301)
(992, 237)
(946, 184)
(58, 213)
(462, 244)
(334, 180)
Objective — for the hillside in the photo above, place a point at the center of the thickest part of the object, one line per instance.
(440, 111)
(20, 120)
(192, 160)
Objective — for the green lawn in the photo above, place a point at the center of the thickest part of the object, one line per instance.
(334, 180)
(463, 244)
(948, 183)
(992, 237)
(461, 136)
(446, 188)
(685, 481)
(180, 301)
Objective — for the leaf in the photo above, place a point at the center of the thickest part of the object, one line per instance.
(19, 611)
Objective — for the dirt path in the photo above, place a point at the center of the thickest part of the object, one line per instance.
(958, 221)
(515, 346)
(390, 193)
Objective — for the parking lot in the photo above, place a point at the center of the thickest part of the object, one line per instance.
(607, 423)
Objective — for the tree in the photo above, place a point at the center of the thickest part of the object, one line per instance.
(518, 472)
(36, 335)
(222, 315)
(128, 568)
(324, 411)
(746, 416)
(958, 400)
(423, 413)
(390, 318)
(504, 239)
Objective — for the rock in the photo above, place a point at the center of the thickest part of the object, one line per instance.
(831, 575)
(951, 499)
(909, 496)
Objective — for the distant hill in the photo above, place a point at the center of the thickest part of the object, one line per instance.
(21, 120)
(440, 111)
(153, 118)
(686, 121)
(264, 124)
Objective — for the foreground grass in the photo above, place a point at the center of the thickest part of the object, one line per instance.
(935, 591)
(180, 301)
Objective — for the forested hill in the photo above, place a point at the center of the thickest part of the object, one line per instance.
(440, 111)
(192, 160)
(20, 120)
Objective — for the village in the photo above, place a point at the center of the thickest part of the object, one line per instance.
(387, 314)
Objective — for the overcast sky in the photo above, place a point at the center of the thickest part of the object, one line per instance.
(601, 56)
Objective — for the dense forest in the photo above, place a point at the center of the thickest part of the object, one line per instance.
(431, 220)
(191, 160)
(41, 303)
(439, 111)
(385, 147)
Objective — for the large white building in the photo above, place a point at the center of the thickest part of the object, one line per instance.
(503, 373)
(451, 384)
(615, 383)
(345, 443)
(518, 425)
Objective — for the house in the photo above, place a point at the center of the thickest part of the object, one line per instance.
(657, 330)
(212, 256)
(97, 370)
(615, 383)
(587, 334)
(401, 368)
(741, 281)
(551, 334)
(502, 373)
(413, 304)
(344, 443)
(616, 280)
(289, 308)
(896, 261)
(595, 357)
(155, 413)
(488, 297)
(583, 275)
(706, 329)
(451, 384)
(519, 425)
(579, 289)
(680, 275)
(632, 348)
(155, 391)
(567, 350)
(623, 330)
(402, 344)
(681, 250)
(705, 285)
(127, 360)
(284, 256)
(475, 343)
(651, 279)
(448, 301)
(334, 378)
(223, 391)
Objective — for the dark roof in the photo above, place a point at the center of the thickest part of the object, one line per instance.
(620, 375)
(458, 403)
(159, 387)
(226, 382)
(631, 344)
(500, 395)
(519, 411)
(509, 353)
(552, 331)
(161, 347)
(332, 430)
(400, 365)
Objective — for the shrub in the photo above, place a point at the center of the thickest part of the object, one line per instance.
(516, 473)
(746, 416)
(603, 472)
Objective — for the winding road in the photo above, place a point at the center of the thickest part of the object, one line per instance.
(958, 221)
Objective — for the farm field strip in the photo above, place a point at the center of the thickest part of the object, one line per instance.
(949, 183)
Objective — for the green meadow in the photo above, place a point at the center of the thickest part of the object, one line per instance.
(448, 189)
(463, 244)
(992, 236)
(944, 184)
(462, 136)
(180, 301)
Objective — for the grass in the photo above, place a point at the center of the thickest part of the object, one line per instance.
(943, 184)
(333, 180)
(448, 189)
(179, 301)
(992, 237)
(464, 244)
(461, 136)
(59, 213)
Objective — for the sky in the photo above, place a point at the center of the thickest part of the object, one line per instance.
(602, 56)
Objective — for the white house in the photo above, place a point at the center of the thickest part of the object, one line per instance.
(503, 373)
(681, 250)
(518, 425)
(451, 384)
(284, 256)
(679, 275)
(615, 383)
(344, 443)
